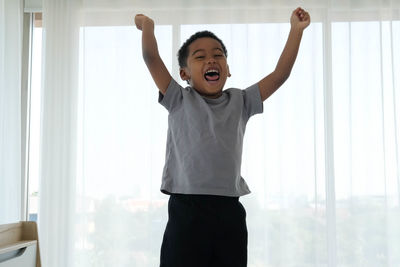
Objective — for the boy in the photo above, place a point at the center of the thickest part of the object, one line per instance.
(207, 223)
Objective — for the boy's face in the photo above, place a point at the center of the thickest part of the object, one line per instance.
(207, 68)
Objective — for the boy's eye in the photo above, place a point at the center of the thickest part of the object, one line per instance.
(199, 57)
(218, 55)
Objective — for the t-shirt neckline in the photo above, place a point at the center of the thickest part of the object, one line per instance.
(217, 100)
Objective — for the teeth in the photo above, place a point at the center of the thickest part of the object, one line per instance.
(212, 71)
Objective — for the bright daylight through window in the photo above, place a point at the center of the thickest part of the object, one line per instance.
(122, 131)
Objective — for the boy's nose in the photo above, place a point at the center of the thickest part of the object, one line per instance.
(211, 60)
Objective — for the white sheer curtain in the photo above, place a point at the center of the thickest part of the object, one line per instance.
(322, 161)
(366, 136)
(58, 143)
(10, 110)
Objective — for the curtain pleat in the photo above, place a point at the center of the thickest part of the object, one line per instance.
(10, 110)
(58, 144)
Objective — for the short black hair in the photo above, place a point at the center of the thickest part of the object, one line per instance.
(184, 50)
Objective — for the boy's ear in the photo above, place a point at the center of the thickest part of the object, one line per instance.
(184, 74)
(229, 72)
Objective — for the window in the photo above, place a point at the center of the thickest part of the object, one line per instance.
(34, 123)
(122, 133)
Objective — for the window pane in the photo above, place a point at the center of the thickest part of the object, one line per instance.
(122, 133)
(364, 144)
(34, 124)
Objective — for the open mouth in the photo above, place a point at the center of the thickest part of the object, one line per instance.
(211, 75)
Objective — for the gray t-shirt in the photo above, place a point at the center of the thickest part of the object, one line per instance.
(205, 140)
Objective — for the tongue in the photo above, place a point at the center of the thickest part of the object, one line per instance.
(212, 77)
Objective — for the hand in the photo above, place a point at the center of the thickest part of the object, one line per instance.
(141, 20)
(300, 19)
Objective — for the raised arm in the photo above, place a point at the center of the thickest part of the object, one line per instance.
(299, 20)
(156, 66)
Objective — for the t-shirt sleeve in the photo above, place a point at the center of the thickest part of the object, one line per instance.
(252, 100)
(173, 96)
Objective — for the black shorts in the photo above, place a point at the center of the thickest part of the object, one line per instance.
(204, 231)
